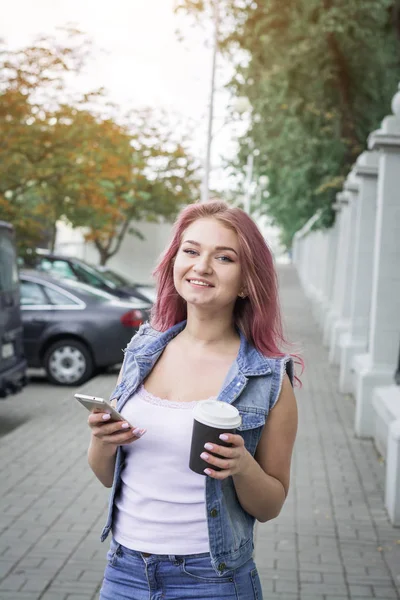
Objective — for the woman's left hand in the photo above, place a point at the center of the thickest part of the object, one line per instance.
(235, 459)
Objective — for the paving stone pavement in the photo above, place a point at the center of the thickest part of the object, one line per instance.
(332, 541)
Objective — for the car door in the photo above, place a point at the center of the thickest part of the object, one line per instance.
(37, 312)
(10, 318)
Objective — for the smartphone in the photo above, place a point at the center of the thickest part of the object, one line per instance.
(92, 403)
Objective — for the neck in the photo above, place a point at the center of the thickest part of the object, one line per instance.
(210, 329)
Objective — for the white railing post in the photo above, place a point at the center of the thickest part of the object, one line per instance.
(377, 367)
(355, 341)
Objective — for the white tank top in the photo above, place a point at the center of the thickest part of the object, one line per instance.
(161, 506)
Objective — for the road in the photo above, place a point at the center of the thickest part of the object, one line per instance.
(38, 399)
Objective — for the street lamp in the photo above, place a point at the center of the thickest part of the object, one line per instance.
(207, 166)
(240, 106)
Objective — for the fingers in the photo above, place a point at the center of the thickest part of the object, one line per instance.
(120, 439)
(228, 458)
(222, 463)
(114, 432)
(226, 451)
(218, 474)
(99, 417)
(231, 438)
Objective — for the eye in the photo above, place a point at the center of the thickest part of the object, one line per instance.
(189, 251)
(224, 259)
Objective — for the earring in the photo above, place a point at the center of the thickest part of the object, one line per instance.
(242, 295)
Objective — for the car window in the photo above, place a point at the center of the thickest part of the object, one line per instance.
(58, 298)
(89, 276)
(32, 294)
(59, 268)
(116, 279)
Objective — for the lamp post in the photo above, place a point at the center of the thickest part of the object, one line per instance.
(241, 106)
(207, 166)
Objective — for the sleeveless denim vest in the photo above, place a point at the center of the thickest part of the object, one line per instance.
(253, 385)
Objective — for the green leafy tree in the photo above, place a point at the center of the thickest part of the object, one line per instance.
(320, 75)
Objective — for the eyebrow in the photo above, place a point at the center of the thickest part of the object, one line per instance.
(218, 248)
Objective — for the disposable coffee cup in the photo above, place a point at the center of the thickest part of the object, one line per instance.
(211, 418)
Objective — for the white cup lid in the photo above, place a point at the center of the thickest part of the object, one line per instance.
(215, 413)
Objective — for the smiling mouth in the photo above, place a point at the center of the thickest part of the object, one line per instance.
(200, 283)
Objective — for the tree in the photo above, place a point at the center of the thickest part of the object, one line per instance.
(64, 156)
(147, 174)
(320, 75)
(31, 88)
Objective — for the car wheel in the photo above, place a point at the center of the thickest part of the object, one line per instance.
(68, 362)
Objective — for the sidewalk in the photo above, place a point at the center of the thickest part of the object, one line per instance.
(332, 541)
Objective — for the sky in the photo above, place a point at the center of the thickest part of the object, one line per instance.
(138, 57)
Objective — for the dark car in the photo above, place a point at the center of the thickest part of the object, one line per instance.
(12, 361)
(68, 267)
(72, 329)
(123, 283)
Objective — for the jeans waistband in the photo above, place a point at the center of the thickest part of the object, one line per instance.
(171, 557)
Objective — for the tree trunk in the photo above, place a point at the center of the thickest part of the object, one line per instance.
(396, 18)
(104, 254)
(343, 85)
(53, 236)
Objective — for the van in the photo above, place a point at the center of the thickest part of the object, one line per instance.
(12, 361)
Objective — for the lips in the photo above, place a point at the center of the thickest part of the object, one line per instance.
(200, 282)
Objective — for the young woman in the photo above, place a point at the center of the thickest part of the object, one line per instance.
(215, 333)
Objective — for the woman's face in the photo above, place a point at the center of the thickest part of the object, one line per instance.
(207, 270)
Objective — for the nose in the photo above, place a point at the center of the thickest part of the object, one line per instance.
(203, 265)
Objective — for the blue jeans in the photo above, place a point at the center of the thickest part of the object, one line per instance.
(131, 575)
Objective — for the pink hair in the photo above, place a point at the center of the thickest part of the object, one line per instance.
(258, 316)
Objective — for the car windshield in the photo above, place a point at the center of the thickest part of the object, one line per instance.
(91, 275)
(88, 290)
(115, 278)
(149, 291)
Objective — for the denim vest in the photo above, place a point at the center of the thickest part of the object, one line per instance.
(253, 385)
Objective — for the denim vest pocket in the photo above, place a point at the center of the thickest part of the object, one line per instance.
(251, 427)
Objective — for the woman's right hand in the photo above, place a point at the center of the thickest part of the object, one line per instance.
(113, 433)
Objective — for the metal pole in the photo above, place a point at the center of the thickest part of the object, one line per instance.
(249, 177)
(207, 166)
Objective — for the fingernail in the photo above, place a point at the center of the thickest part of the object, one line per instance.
(207, 471)
(138, 432)
(106, 417)
(224, 437)
(208, 446)
(204, 456)
(125, 425)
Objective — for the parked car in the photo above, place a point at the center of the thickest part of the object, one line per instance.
(72, 329)
(12, 361)
(67, 267)
(122, 282)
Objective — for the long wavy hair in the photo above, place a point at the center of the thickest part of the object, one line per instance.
(257, 316)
